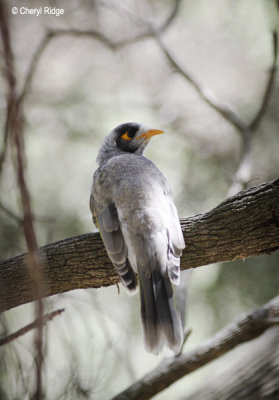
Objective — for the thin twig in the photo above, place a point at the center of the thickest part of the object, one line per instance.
(29, 327)
(269, 86)
(171, 16)
(11, 214)
(40, 218)
(185, 340)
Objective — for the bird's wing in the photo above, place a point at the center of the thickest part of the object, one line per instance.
(106, 220)
(175, 232)
(175, 243)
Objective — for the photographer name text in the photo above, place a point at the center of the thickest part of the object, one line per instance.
(38, 11)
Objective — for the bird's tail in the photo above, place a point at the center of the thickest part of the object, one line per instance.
(160, 317)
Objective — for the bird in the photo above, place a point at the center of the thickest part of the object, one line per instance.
(132, 206)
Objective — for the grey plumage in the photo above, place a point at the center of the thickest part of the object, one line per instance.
(133, 207)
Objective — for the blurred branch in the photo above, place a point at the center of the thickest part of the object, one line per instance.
(270, 82)
(244, 170)
(93, 35)
(11, 214)
(171, 17)
(253, 374)
(244, 225)
(29, 327)
(40, 218)
(243, 173)
(205, 94)
(120, 9)
(10, 79)
(247, 327)
(14, 131)
(42, 47)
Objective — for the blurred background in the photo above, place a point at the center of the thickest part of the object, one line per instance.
(80, 90)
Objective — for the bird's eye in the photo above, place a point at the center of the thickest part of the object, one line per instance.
(127, 136)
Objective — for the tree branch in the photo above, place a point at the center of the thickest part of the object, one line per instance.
(244, 225)
(29, 327)
(249, 375)
(247, 327)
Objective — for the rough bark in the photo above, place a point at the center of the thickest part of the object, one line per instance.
(244, 225)
(247, 327)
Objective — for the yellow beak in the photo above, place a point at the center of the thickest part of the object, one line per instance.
(148, 134)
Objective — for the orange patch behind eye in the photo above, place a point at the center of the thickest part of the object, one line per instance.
(125, 136)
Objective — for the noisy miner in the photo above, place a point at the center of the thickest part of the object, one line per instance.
(132, 206)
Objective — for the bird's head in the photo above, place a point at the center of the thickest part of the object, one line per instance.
(130, 137)
(133, 137)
